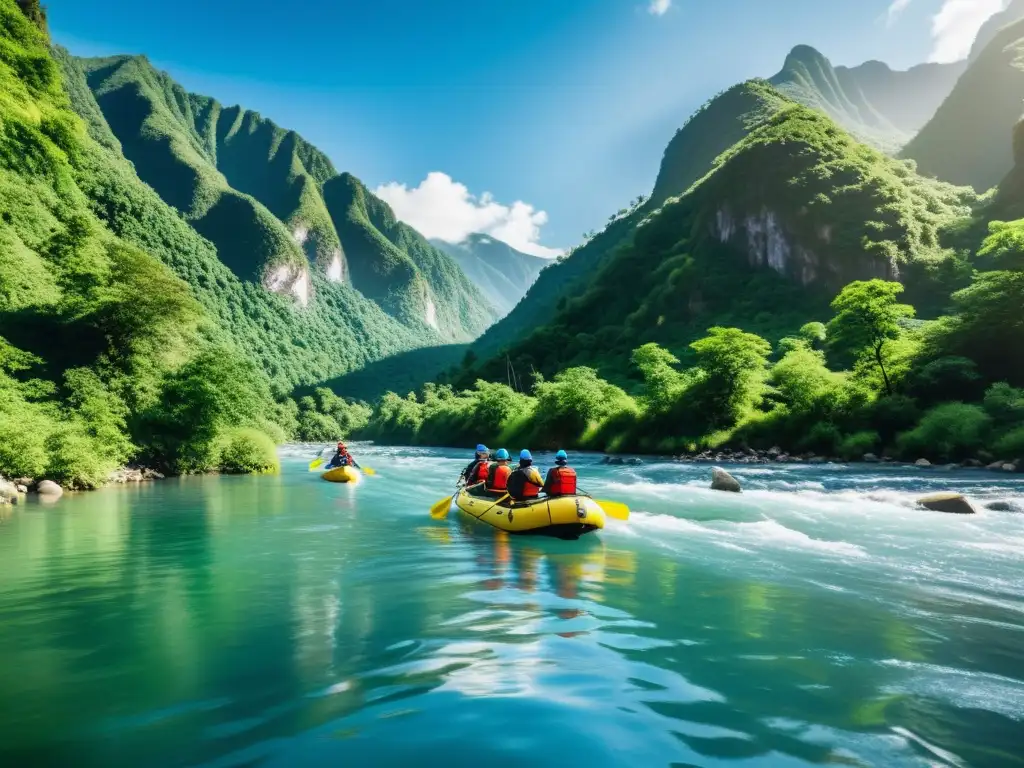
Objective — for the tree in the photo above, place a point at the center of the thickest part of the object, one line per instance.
(734, 366)
(868, 317)
(662, 382)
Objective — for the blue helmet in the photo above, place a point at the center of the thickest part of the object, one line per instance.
(525, 455)
(501, 455)
(562, 455)
(481, 448)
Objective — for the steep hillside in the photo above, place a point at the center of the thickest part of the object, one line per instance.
(338, 332)
(105, 354)
(257, 192)
(969, 139)
(502, 273)
(1014, 12)
(397, 267)
(877, 105)
(789, 215)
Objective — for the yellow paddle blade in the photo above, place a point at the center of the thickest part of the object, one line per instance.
(368, 470)
(440, 510)
(315, 463)
(614, 509)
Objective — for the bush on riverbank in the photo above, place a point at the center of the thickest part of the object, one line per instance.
(245, 451)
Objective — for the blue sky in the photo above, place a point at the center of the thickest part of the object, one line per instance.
(563, 105)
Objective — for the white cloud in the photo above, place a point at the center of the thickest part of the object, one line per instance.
(442, 208)
(956, 25)
(896, 9)
(659, 7)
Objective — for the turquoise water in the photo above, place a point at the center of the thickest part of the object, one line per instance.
(284, 621)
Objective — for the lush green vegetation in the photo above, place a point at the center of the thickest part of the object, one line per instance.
(270, 202)
(124, 338)
(968, 139)
(868, 381)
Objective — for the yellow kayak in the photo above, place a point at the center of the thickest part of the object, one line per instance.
(342, 475)
(565, 517)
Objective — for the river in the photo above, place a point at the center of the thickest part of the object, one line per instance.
(284, 621)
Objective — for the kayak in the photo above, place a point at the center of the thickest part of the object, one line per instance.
(564, 517)
(342, 475)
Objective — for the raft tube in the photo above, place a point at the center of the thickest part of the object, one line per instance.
(564, 517)
(342, 475)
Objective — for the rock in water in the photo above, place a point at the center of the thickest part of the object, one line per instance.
(953, 503)
(723, 481)
(1001, 506)
(49, 488)
(869, 458)
(922, 463)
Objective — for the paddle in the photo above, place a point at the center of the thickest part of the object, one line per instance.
(612, 508)
(315, 463)
(439, 511)
(368, 471)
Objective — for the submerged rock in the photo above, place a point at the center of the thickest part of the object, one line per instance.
(1001, 506)
(723, 481)
(953, 503)
(49, 488)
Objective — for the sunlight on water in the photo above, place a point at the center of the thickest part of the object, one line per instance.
(819, 617)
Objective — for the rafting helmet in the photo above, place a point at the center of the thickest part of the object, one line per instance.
(501, 455)
(525, 455)
(561, 456)
(481, 448)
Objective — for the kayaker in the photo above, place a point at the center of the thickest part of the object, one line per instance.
(342, 458)
(476, 471)
(498, 474)
(526, 481)
(561, 479)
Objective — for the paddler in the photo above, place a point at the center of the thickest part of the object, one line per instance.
(561, 479)
(342, 458)
(526, 481)
(476, 471)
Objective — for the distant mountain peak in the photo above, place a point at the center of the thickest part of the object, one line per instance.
(1013, 13)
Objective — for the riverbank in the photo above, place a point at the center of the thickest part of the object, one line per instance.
(13, 490)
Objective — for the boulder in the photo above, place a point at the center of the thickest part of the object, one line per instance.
(1009, 467)
(774, 451)
(8, 492)
(634, 462)
(1001, 506)
(870, 458)
(49, 488)
(995, 465)
(922, 463)
(972, 464)
(151, 474)
(21, 488)
(723, 481)
(953, 503)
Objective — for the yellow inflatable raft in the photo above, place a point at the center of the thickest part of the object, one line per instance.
(565, 517)
(342, 475)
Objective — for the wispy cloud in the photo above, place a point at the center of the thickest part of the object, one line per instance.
(896, 9)
(956, 25)
(660, 7)
(442, 208)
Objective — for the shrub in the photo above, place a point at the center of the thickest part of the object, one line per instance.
(822, 438)
(1005, 404)
(245, 451)
(947, 433)
(854, 446)
(1011, 445)
(944, 379)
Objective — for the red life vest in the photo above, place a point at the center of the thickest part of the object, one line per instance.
(482, 471)
(497, 477)
(561, 481)
(521, 484)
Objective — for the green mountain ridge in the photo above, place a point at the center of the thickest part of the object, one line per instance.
(260, 194)
(875, 104)
(503, 274)
(968, 141)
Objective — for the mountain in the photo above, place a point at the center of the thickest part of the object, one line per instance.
(260, 194)
(1014, 12)
(502, 273)
(789, 215)
(293, 344)
(877, 105)
(398, 268)
(968, 141)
